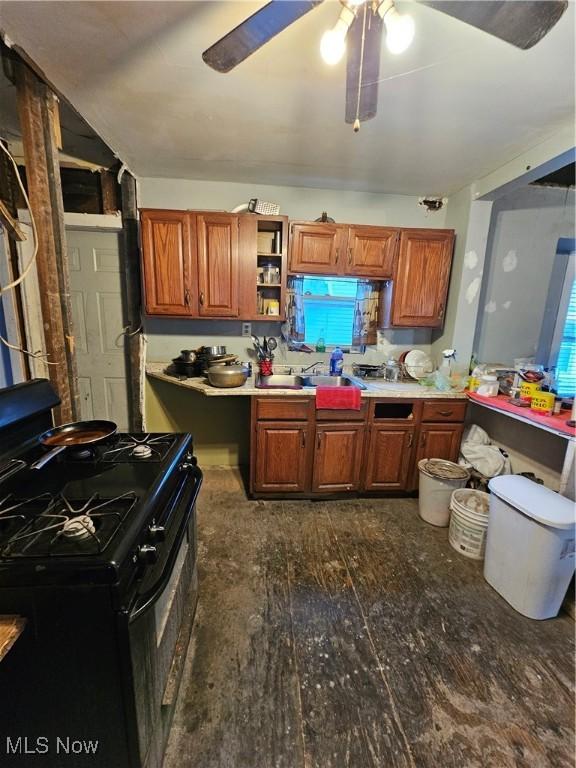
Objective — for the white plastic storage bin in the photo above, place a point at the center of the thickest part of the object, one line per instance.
(530, 545)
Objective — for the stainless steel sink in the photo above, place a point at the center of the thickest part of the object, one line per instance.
(332, 381)
(279, 381)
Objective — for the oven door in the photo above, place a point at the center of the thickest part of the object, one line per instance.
(159, 626)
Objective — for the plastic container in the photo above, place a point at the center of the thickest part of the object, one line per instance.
(438, 479)
(488, 385)
(543, 403)
(530, 545)
(336, 362)
(470, 511)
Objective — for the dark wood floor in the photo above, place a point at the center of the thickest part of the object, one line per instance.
(350, 634)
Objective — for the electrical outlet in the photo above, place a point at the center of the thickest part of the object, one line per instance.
(246, 329)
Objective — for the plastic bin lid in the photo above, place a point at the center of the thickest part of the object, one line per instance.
(534, 500)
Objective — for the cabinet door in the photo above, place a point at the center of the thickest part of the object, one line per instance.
(371, 251)
(316, 248)
(338, 457)
(437, 441)
(421, 278)
(388, 460)
(281, 457)
(217, 244)
(166, 262)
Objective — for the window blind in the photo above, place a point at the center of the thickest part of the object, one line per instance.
(329, 310)
(566, 365)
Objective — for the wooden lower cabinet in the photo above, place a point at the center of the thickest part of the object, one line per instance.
(298, 450)
(337, 457)
(388, 458)
(282, 457)
(439, 441)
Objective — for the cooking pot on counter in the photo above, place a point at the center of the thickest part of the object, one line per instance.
(227, 375)
(185, 363)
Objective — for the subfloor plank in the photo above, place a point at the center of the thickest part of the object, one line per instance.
(351, 634)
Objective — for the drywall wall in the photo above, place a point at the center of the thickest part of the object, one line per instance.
(166, 336)
(524, 232)
(220, 426)
(295, 202)
(530, 449)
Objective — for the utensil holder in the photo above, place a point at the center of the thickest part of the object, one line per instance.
(265, 367)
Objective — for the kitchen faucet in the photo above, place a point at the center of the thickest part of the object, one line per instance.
(318, 362)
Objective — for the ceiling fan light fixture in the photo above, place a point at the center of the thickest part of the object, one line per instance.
(333, 42)
(400, 28)
(332, 46)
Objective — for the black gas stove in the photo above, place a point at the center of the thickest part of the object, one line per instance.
(97, 552)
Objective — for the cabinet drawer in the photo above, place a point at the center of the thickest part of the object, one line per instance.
(454, 410)
(282, 408)
(329, 414)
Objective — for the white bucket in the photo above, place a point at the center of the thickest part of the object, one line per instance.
(438, 479)
(469, 522)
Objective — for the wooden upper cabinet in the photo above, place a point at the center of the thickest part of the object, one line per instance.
(316, 248)
(339, 249)
(216, 236)
(167, 264)
(421, 278)
(371, 252)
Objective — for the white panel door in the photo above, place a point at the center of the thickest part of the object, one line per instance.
(96, 298)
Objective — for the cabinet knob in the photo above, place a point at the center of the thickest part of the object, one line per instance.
(303, 439)
(410, 439)
(441, 313)
(349, 256)
(187, 297)
(319, 440)
(201, 298)
(445, 413)
(337, 255)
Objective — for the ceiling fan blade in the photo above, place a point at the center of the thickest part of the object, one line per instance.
(521, 22)
(364, 43)
(247, 37)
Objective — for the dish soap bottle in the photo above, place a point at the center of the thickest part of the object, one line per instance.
(321, 344)
(336, 362)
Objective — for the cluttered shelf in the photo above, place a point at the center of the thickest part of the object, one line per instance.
(555, 424)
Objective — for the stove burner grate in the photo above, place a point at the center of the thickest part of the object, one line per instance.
(148, 447)
(54, 525)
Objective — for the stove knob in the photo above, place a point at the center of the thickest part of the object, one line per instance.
(147, 554)
(156, 532)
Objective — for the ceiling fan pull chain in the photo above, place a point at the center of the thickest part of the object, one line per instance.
(356, 126)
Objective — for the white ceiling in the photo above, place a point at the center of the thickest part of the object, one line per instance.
(454, 107)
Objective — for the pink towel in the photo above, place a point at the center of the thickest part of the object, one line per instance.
(338, 398)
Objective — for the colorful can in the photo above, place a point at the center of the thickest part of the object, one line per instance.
(528, 389)
(543, 403)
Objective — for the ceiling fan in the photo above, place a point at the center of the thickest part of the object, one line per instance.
(359, 29)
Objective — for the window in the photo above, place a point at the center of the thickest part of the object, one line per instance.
(329, 310)
(566, 363)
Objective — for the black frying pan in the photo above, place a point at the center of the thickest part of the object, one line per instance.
(70, 435)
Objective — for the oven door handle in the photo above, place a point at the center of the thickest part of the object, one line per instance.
(149, 598)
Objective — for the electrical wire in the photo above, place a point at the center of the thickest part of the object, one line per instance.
(30, 264)
(41, 357)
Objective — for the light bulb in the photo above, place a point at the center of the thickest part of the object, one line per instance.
(333, 45)
(399, 30)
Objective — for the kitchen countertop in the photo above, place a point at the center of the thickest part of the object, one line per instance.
(373, 388)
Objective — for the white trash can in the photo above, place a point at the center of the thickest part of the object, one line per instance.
(438, 478)
(530, 545)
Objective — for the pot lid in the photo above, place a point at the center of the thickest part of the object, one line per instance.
(534, 500)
